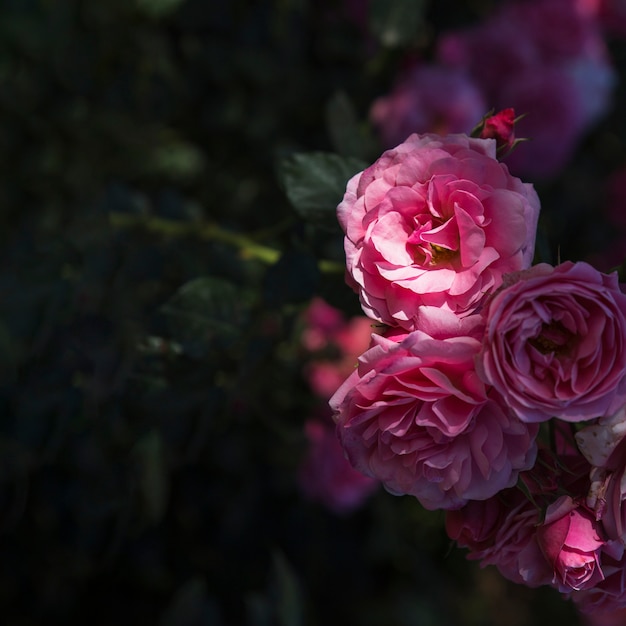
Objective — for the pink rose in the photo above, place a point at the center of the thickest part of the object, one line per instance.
(608, 595)
(501, 531)
(570, 540)
(415, 416)
(436, 221)
(604, 445)
(555, 343)
(427, 98)
(326, 476)
(510, 532)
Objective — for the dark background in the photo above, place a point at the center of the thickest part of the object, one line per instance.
(152, 399)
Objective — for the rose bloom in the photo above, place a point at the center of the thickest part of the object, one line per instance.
(570, 539)
(436, 221)
(564, 549)
(501, 531)
(604, 445)
(555, 343)
(415, 416)
(427, 98)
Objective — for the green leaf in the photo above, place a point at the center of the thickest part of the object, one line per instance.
(315, 183)
(345, 131)
(208, 311)
(396, 22)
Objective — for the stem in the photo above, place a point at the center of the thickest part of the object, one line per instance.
(248, 248)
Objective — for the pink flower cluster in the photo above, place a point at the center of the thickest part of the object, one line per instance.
(481, 349)
(547, 59)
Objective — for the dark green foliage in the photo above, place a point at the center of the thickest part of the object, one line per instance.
(154, 267)
(315, 183)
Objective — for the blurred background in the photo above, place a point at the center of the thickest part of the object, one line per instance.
(174, 314)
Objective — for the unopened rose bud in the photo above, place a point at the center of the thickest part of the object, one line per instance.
(501, 127)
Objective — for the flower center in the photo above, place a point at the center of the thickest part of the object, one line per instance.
(441, 254)
(554, 338)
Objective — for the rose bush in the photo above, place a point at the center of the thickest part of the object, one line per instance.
(555, 343)
(436, 221)
(415, 415)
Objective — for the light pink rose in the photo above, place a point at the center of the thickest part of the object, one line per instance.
(570, 539)
(416, 416)
(555, 343)
(428, 98)
(326, 476)
(436, 221)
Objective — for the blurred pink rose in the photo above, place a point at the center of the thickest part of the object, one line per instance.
(546, 58)
(553, 122)
(415, 416)
(436, 221)
(335, 345)
(326, 476)
(322, 322)
(555, 343)
(428, 98)
(612, 16)
(570, 539)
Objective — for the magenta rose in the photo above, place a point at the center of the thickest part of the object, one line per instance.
(436, 221)
(555, 343)
(501, 531)
(415, 415)
(570, 539)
